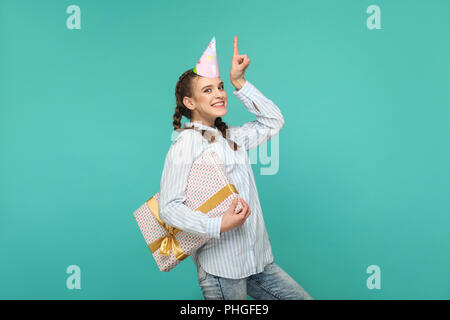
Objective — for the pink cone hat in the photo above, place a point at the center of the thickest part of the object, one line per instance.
(208, 66)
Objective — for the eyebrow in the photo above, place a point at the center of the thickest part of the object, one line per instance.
(210, 85)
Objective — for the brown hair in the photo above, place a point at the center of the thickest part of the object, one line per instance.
(183, 89)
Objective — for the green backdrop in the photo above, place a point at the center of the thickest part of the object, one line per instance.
(364, 174)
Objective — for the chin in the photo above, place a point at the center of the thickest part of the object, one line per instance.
(222, 113)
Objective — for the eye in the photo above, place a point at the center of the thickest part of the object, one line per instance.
(221, 87)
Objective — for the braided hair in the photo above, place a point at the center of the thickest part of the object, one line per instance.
(184, 89)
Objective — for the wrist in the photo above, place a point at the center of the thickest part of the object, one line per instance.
(238, 83)
(224, 225)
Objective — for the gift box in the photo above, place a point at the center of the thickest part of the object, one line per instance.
(208, 190)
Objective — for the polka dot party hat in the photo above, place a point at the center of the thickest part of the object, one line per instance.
(208, 66)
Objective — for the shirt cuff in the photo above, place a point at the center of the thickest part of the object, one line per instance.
(246, 95)
(244, 91)
(214, 227)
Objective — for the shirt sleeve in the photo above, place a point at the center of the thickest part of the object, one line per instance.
(268, 123)
(176, 169)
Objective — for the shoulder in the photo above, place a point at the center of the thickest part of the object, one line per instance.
(182, 137)
(233, 128)
(185, 144)
(233, 132)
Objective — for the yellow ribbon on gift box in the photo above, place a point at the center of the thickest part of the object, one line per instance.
(168, 242)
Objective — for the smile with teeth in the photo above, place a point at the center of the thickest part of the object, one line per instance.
(219, 104)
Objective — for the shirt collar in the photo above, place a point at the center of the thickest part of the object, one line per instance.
(201, 126)
(209, 133)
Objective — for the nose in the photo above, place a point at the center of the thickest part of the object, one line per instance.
(219, 94)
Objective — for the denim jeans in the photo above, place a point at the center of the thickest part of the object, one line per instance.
(271, 284)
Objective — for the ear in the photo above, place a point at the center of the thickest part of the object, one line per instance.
(188, 103)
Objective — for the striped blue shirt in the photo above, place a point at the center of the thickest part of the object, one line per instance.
(242, 251)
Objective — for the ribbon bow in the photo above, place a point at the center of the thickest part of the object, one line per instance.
(169, 243)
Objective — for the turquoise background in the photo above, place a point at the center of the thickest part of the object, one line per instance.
(364, 175)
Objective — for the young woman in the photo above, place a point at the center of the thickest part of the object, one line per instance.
(238, 260)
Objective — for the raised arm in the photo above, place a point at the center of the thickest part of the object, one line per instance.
(177, 165)
(268, 123)
(269, 119)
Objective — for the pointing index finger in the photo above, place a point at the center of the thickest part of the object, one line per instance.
(235, 50)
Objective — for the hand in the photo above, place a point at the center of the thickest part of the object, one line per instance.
(231, 220)
(239, 64)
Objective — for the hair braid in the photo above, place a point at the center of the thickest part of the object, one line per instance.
(222, 127)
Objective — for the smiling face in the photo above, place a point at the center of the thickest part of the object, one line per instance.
(209, 100)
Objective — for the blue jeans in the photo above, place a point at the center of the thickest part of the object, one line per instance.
(271, 284)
